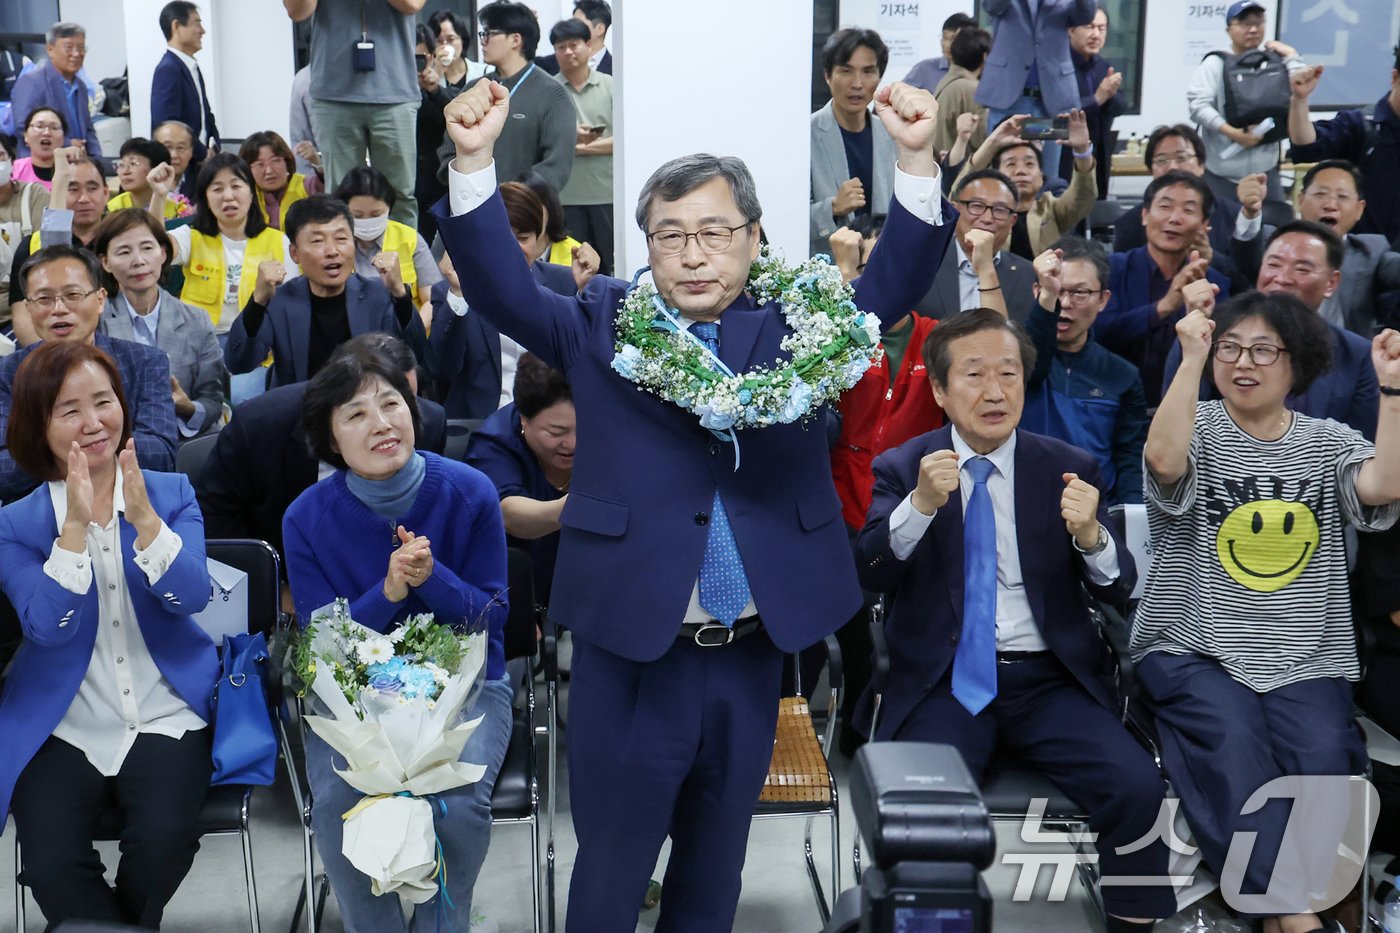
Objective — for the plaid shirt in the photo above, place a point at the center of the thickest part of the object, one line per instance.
(146, 382)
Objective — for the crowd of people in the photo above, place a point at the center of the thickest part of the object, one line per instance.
(322, 306)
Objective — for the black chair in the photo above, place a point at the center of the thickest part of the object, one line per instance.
(226, 809)
(459, 432)
(191, 454)
(515, 800)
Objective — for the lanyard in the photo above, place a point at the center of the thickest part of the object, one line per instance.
(511, 92)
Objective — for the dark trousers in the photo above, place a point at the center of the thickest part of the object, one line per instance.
(58, 803)
(1043, 716)
(678, 746)
(1221, 742)
(593, 224)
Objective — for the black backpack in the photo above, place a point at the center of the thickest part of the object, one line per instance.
(1256, 88)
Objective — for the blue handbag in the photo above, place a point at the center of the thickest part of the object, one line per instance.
(245, 747)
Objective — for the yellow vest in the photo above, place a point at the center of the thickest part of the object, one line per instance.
(403, 239)
(204, 269)
(296, 190)
(123, 200)
(561, 253)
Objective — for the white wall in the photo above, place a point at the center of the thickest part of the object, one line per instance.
(106, 45)
(751, 100)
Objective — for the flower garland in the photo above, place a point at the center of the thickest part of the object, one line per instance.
(832, 345)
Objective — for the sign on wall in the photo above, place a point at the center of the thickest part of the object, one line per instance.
(1352, 39)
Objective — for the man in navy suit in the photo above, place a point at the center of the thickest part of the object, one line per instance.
(57, 85)
(986, 537)
(302, 322)
(682, 575)
(177, 87)
(597, 16)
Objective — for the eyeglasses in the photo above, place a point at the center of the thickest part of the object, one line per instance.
(70, 298)
(1079, 295)
(1181, 158)
(51, 127)
(1261, 354)
(131, 165)
(710, 239)
(978, 208)
(486, 34)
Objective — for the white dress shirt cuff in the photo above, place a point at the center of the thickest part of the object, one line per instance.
(156, 559)
(1102, 568)
(72, 571)
(56, 228)
(457, 304)
(189, 427)
(919, 195)
(907, 527)
(1247, 228)
(465, 193)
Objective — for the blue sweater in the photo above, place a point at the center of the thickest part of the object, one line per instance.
(337, 547)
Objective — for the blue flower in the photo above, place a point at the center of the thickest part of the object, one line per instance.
(626, 360)
(713, 420)
(745, 396)
(798, 400)
(853, 370)
(385, 682)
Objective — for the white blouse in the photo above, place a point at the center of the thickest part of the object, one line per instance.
(123, 693)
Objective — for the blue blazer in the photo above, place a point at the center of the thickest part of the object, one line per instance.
(1348, 391)
(464, 353)
(645, 478)
(43, 87)
(60, 628)
(175, 97)
(285, 331)
(1020, 39)
(925, 614)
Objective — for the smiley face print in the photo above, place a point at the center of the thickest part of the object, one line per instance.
(1265, 545)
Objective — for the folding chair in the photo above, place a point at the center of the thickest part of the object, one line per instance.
(226, 809)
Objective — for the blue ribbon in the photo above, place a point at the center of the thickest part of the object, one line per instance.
(673, 318)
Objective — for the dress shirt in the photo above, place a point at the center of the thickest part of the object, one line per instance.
(596, 58)
(123, 693)
(1016, 627)
(969, 286)
(193, 67)
(141, 323)
(920, 196)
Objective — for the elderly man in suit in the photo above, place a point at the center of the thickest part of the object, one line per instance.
(1370, 268)
(57, 85)
(1305, 259)
(261, 461)
(977, 272)
(177, 87)
(302, 322)
(719, 568)
(985, 538)
(852, 153)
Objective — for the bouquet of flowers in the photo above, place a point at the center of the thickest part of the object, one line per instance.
(393, 705)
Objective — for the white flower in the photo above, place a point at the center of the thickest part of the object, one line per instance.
(374, 650)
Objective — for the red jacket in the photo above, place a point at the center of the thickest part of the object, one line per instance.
(876, 417)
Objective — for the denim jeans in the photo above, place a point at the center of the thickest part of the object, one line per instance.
(464, 832)
(1049, 150)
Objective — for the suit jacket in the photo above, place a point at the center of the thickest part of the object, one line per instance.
(286, 328)
(1369, 268)
(261, 463)
(174, 96)
(1015, 274)
(550, 63)
(60, 627)
(1089, 74)
(925, 615)
(187, 337)
(829, 172)
(644, 483)
(145, 375)
(43, 87)
(1348, 391)
(464, 352)
(1020, 39)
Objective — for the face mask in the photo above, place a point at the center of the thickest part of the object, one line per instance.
(371, 228)
(6, 168)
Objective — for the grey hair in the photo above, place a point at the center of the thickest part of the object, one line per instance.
(63, 31)
(680, 176)
(194, 137)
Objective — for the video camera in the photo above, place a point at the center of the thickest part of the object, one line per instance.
(929, 837)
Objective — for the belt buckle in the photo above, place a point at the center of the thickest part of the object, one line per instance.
(704, 641)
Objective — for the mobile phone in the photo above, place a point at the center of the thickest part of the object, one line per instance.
(1046, 128)
(422, 62)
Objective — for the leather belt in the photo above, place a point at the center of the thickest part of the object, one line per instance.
(717, 634)
(1016, 657)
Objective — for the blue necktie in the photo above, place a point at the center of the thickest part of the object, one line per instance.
(975, 663)
(724, 589)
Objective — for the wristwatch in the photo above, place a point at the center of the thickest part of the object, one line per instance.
(1099, 545)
